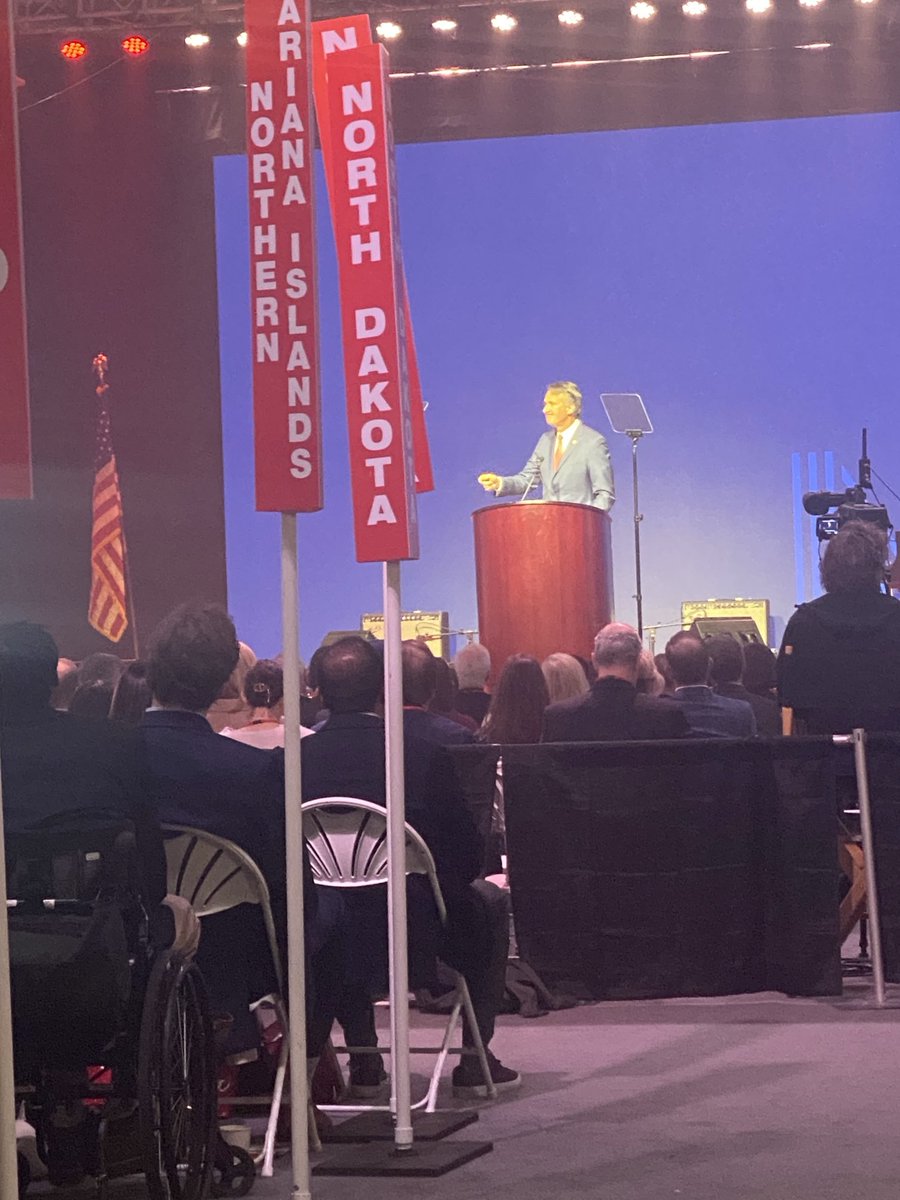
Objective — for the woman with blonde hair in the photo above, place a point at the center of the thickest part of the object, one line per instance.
(565, 677)
(230, 708)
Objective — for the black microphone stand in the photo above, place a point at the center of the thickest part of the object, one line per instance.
(635, 435)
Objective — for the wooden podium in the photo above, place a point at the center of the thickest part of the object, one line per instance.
(544, 575)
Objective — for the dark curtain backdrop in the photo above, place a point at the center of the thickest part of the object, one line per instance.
(119, 260)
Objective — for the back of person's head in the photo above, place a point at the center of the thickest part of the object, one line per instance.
(28, 658)
(444, 698)
(132, 697)
(649, 681)
(473, 665)
(688, 659)
(233, 687)
(264, 684)
(67, 682)
(92, 701)
(617, 648)
(726, 660)
(665, 671)
(420, 673)
(350, 676)
(759, 669)
(193, 651)
(855, 559)
(100, 668)
(565, 677)
(312, 671)
(516, 714)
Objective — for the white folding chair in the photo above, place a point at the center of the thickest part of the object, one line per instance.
(346, 840)
(215, 875)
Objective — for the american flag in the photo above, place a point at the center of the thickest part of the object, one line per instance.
(108, 607)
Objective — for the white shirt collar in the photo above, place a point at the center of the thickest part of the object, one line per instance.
(568, 434)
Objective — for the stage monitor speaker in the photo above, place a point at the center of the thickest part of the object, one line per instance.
(692, 610)
(742, 629)
(432, 627)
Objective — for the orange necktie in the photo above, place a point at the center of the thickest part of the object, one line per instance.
(558, 452)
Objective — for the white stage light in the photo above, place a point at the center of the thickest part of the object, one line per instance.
(694, 8)
(503, 22)
(444, 25)
(757, 6)
(865, 1)
(241, 38)
(809, 3)
(570, 17)
(197, 41)
(642, 10)
(389, 31)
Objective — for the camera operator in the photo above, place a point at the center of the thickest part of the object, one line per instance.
(839, 663)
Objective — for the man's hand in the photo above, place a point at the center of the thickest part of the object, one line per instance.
(490, 482)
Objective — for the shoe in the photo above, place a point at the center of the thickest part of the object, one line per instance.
(468, 1079)
(368, 1078)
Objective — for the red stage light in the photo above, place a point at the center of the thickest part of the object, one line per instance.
(135, 45)
(73, 49)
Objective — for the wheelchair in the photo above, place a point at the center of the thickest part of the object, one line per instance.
(114, 1049)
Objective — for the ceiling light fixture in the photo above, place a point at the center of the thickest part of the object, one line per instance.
(388, 31)
(197, 41)
(642, 10)
(694, 8)
(241, 39)
(570, 17)
(503, 22)
(444, 25)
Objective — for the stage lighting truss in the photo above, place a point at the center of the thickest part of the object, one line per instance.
(67, 16)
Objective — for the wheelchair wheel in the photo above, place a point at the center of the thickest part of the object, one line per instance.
(176, 1082)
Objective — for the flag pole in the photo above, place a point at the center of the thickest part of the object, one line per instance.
(293, 832)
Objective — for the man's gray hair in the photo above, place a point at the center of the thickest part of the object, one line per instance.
(617, 646)
(572, 390)
(473, 665)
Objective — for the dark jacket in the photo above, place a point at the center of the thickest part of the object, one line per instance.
(839, 663)
(711, 715)
(474, 703)
(434, 728)
(612, 711)
(54, 763)
(767, 712)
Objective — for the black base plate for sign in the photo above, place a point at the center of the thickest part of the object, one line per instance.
(426, 1159)
(379, 1127)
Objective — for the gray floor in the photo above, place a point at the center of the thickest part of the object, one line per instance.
(757, 1097)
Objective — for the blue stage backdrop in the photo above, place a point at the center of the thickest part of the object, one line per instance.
(742, 278)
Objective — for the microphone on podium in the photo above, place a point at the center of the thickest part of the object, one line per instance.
(534, 480)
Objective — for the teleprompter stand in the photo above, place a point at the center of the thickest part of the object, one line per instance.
(627, 414)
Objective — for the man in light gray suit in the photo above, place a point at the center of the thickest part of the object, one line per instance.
(570, 462)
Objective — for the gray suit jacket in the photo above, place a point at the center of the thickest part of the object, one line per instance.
(584, 476)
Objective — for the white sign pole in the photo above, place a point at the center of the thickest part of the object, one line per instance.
(293, 830)
(9, 1171)
(396, 809)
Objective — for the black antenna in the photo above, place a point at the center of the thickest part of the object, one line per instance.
(865, 466)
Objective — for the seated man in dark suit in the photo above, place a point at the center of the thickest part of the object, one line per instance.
(346, 758)
(726, 672)
(613, 710)
(226, 788)
(708, 714)
(473, 665)
(420, 680)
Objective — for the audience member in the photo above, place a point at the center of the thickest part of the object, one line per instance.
(132, 697)
(587, 667)
(473, 666)
(516, 713)
(91, 701)
(229, 707)
(726, 671)
(665, 672)
(443, 702)
(420, 677)
(760, 671)
(55, 763)
(312, 711)
(708, 714)
(100, 668)
(225, 788)
(565, 677)
(264, 693)
(613, 710)
(346, 757)
(839, 665)
(649, 681)
(67, 674)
